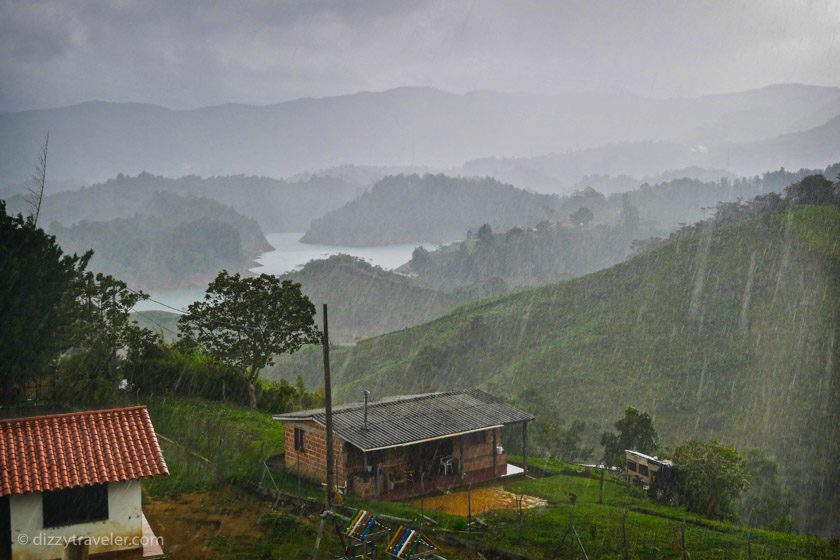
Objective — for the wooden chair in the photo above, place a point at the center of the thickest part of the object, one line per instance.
(410, 544)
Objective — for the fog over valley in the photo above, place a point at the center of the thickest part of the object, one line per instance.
(427, 279)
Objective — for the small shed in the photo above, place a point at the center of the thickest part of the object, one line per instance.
(70, 485)
(399, 446)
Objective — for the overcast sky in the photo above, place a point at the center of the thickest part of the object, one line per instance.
(186, 54)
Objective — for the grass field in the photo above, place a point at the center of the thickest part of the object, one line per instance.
(205, 506)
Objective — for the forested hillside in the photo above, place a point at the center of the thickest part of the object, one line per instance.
(277, 205)
(406, 208)
(171, 241)
(520, 257)
(728, 333)
(365, 300)
(592, 231)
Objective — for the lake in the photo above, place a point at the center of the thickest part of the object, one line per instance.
(289, 254)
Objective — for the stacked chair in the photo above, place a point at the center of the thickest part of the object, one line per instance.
(410, 544)
(360, 535)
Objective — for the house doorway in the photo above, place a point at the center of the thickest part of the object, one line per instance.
(79, 550)
(5, 529)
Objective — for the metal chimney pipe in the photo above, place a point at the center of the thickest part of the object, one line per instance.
(367, 395)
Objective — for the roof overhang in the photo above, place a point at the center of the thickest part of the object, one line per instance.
(282, 418)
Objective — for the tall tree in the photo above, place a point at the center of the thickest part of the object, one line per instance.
(711, 477)
(101, 306)
(36, 276)
(635, 431)
(247, 321)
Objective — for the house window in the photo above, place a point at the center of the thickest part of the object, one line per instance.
(643, 470)
(477, 438)
(631, 465)
(75, 505)
(300, 440)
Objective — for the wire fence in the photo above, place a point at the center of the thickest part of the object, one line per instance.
(553, 531)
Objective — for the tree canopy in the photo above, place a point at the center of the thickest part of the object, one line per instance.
(711, 478)
(36, 276)
(247, 321)
(635, 431)
(582, 216)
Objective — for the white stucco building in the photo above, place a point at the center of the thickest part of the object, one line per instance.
(70, 485)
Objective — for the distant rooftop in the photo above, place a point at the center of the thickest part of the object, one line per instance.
(409, 419)
(649, 458)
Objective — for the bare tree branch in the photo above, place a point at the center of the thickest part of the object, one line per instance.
(39, 180)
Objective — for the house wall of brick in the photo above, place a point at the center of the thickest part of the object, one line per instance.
(392, 463)
(312, 462)
(479, 456)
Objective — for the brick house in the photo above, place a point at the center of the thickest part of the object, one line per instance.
(70, 485)
(390, 448)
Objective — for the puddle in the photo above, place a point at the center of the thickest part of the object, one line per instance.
(484, 499)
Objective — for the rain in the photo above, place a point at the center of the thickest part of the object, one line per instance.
(419, 280)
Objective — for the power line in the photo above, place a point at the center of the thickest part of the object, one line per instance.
(184, 312)
(164, 327)
(148, 297)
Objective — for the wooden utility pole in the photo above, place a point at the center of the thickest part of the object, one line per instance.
(328, 408)
(525, 448)
(601, 488)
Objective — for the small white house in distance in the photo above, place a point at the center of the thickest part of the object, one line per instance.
(70, 485)
(644, 469)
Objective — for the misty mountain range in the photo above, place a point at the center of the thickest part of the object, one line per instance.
(549, 141)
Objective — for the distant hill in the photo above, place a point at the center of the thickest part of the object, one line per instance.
(520, 257)
(409, 208)
(731, 334)
(609, 184)
(163, 323)
(557, 172)
(622, 223)
(405, 126)
(170, 242)
(277, 205)
(365, 300)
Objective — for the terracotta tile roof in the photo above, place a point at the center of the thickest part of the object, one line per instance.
(77, 449)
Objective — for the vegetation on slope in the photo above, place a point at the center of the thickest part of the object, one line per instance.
(520, 257)
(365, 300)
(728, 333)
(275, 204)
(406, 208)
(171, 241)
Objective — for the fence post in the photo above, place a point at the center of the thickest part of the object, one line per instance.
(469, 508)
(624, 535)
(422, 495)
(682, 538)
(749, 544)
(601, 490)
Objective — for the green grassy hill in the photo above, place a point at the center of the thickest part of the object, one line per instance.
(730, 334)
(365, 300)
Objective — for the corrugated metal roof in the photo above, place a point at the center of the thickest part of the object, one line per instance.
(409, 419)
(77, 449)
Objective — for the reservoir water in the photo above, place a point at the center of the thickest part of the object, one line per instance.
(289, 254)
